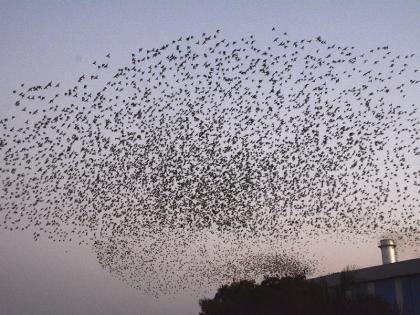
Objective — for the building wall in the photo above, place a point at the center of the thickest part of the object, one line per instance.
(404, 292)
(411, 295)
(386, 290)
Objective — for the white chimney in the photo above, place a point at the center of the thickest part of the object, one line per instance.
(387, 247)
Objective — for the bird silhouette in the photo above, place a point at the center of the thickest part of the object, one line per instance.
(183, 165)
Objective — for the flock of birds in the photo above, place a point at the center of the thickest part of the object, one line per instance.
(176, 164)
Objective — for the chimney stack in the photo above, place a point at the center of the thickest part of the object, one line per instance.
(387, 247)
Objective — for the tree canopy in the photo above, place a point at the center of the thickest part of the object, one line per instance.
(288, 295)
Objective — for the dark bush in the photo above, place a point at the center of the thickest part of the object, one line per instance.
(288, 295)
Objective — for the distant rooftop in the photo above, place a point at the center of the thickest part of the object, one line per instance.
(397, 269)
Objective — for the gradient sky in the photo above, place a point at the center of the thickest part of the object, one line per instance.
(57, 40)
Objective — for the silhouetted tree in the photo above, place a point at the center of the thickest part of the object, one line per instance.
(289, 295)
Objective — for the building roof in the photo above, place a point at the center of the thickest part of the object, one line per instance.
(397, 269)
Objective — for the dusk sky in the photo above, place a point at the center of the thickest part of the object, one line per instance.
(57, 41)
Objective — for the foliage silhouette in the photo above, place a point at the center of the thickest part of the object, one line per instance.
(289, 295)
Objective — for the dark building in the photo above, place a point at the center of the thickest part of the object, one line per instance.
(397, 282)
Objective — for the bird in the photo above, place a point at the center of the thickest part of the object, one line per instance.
(202, 159)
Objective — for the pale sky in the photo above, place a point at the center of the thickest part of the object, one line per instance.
(57, 40)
